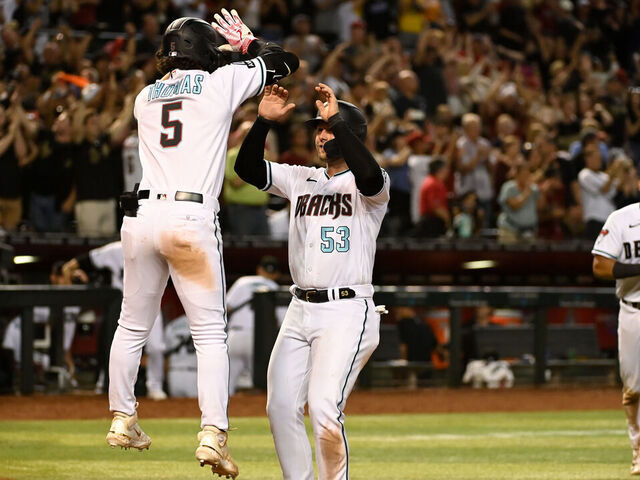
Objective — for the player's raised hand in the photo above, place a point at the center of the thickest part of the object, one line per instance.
(233, 30)
(273, 105)
(327, 105)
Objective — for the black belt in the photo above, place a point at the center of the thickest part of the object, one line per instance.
(321, 296)
(635, 305)
(179, 196)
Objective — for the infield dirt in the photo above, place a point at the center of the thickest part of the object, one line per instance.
(245, 404)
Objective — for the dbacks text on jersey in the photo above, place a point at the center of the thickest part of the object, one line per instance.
(320, 205)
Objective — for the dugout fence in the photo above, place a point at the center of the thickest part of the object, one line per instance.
(542, 337)
(539, 338)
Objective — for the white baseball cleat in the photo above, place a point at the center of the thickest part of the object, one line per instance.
(213, 451)
(126, 433)
(635, 463)
(157, 395)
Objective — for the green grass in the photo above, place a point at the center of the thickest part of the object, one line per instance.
(557, 446)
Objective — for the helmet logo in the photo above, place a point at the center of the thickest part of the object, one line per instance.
(173, 52)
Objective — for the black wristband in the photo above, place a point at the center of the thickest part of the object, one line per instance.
(266, 121)
(625, 270)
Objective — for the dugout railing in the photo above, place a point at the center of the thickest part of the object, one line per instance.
(455, 299)
(24, 297)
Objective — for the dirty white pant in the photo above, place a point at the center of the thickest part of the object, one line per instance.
(317, 356)
(181, 239)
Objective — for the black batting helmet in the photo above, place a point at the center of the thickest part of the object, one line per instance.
(195, 39)
(351, 115)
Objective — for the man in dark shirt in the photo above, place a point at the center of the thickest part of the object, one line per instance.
(52, 177)
(95, 181)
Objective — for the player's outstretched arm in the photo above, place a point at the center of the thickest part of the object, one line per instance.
(278, 62)
(365, 169)
(250, 165)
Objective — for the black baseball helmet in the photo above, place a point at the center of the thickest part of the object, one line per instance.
(351, 115)
(195, 39)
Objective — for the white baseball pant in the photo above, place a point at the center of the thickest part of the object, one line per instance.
(181, 239)
(319, 352)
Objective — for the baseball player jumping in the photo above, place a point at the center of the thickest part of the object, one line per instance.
(616, 255)
(171, 225)
(331, 326)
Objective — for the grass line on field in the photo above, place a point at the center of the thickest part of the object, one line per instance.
(463, 436)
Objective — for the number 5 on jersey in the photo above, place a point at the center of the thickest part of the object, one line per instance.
(328, 243)
(176, 125)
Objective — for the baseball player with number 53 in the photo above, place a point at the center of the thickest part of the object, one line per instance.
(171, 225)
(331, 326)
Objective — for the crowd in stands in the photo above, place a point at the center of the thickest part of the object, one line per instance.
(519, 118)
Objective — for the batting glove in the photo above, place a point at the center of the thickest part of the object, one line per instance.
(233, 30)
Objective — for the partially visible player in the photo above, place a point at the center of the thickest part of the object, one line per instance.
(242, 318)
(171, 225)
(13, 334)
(110, 257)
(615, 256)
(182, 377)
(332, 326)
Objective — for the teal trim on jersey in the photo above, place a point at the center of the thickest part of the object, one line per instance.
(346, 380)
(335, 174)
(224, 307)
(604, 254)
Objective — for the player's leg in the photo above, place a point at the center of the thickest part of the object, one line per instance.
(347, 334)
(628, 348)
(287, 384)
(192, 245)
(193, 249)
(154, 350)
(145, 278)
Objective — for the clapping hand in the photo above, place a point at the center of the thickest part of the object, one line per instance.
(273, 105)
(328, 104)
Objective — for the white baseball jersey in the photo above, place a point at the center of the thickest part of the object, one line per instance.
(239, 300)
(131, 167)
(179, 344)
(620, 240)
(190, 113)
(110, 256)
(328, 218)
(182, 378)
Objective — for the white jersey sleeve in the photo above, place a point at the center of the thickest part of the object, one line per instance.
(282, 179)
(241, 80)
(609, 243)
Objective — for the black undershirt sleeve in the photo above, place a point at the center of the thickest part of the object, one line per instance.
(85, 262)
(250, 165)
(278, 62)
(365, 169)
(625, 270)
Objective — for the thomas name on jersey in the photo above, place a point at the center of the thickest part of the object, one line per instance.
(184, 86)
(336, 205)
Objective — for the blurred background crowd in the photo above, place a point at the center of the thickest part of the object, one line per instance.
(514, 119)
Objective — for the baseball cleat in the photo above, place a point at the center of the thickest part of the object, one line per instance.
(213, 451)
(126, 433)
